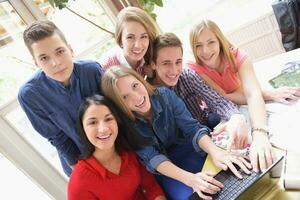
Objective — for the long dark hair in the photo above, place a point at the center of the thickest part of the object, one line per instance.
(88, 147)
(127, 138)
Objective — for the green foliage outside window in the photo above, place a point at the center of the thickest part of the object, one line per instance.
(149, 5)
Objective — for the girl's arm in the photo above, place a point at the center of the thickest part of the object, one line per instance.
(204, 182)
(284, 95)
(200, 182)
(168, 169)
(260, 150)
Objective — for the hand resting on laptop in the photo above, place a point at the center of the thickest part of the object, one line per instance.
(206, 185)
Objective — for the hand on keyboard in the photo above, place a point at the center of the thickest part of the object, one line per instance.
(232, 183)
(233, 186)
(225, 160)
(204, 184)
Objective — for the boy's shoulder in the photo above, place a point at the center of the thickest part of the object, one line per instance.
(33, 84)
(86, 64)
(87, 68)
(190, 78)
(187, 73)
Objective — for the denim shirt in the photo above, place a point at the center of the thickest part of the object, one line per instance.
(172, 124)
(52, 108)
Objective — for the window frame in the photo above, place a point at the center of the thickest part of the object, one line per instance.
(12, 144)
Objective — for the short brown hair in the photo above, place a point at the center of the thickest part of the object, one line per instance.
(134, 14)
(165, 40)
(110, 89)
(40, 30)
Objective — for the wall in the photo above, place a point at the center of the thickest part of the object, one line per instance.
(259, 38)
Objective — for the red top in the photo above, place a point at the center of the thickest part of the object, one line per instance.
(229, 81)
(90, 180)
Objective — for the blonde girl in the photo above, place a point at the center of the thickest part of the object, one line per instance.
(173, 145)
(230, 72)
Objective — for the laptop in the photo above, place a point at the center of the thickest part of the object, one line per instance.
(252, 186)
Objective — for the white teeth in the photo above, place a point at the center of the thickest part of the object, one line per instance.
(141, 102)
(103, 137)
(207, 57)
(174, 76)
(137, 52)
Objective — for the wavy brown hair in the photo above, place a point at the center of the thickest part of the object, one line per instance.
(134, 14)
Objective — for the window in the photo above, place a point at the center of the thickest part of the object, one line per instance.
(228, 14)
(15, 62)
(18, 140)
(13, 179)
(16, 66)
(20, 122)
(86, 39)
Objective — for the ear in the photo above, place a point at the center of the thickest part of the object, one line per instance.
(71, 49)
(153, 65)
(34, 60)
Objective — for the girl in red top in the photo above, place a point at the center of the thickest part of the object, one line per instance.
(106, 172)
(228, 71)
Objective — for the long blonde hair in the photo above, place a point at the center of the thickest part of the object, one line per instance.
(110, 89)
(225, 45)
(140, 16)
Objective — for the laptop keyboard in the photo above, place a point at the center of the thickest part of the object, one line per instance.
(233, 186)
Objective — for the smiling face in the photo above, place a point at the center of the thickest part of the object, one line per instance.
(168, 65)
(100, 126)
(54, 57)
(134, 95)
(134, 41)
(208, 49)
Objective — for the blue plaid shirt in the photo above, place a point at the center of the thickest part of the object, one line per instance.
(193, 90)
